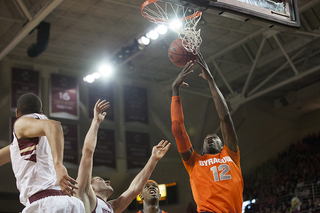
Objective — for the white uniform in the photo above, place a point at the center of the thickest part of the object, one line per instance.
(33, 168)
(102, 206)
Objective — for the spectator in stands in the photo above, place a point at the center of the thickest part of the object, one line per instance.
(300, 183)
(282, 208)
(317, 206)
(294, 168)
(310, 206)
(305, 193)
(295, 205)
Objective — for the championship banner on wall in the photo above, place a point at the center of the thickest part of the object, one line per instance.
(101, 91)
(135, 104)
(64, 97)
(70, 153)
(138, 149)
(105, 153)
(22, 82)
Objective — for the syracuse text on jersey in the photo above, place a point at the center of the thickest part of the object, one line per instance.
(214, 160)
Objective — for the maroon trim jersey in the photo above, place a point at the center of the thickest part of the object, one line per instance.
(32, 164)
(102, 206)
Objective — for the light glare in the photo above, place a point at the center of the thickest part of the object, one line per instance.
(144, 40)
(153, 35)
(89, 79)
(162, 29)
(96, 75)
(175, 24)
(105, 70)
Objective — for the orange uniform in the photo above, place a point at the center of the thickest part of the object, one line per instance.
(215, 179)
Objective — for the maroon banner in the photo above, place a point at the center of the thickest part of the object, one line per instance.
(105, 153)
(23, 81)
(64, 97)
(138, 149)
(101, 91)
(70, 153)
(135, 104)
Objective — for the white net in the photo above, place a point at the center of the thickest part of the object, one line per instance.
(179, 19)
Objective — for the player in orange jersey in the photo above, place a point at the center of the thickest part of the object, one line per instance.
(215, 175)
(150, 196)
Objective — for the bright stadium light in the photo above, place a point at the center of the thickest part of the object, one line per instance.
(162, 29)
(144, 40)
(96, 75)
(105, 70)
(89, 78)
(175, 24)
(153, 35)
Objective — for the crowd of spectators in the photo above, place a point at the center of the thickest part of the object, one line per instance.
(288, 183)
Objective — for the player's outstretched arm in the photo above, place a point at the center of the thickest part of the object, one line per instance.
(5, 155)
(178, 129)
(122, 202)
(85, 191)
(27, 127)
(227, 128)
(179, 81)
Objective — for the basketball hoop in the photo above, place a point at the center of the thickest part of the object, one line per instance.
(166, 13)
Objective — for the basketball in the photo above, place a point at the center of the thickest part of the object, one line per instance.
(178, 55)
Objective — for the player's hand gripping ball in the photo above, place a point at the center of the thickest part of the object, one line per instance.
(178, 55)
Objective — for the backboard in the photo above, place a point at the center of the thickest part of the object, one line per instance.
(276, 14)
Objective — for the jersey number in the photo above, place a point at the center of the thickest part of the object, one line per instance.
(224, 168)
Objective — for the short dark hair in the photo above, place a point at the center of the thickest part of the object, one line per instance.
(29, 103)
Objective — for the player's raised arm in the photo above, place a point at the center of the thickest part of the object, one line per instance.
(5, 155)
(85, 191)
(227, 128)
(28, 127)
(178, 129)
(123, 201)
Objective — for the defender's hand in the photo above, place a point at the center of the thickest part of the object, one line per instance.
(161, 149)
(64, 180)
(99, 108)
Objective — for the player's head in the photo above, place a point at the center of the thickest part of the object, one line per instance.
(28, 103)
(150, 193)
(101, 186)
(212, 144)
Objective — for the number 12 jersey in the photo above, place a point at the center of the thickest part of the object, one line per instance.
(216, 181)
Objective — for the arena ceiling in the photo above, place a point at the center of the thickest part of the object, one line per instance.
(248, 61)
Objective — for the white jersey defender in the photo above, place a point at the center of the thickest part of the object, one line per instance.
(36, 178)
(102, 206)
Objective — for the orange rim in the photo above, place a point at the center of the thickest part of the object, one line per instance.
(146, 3)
